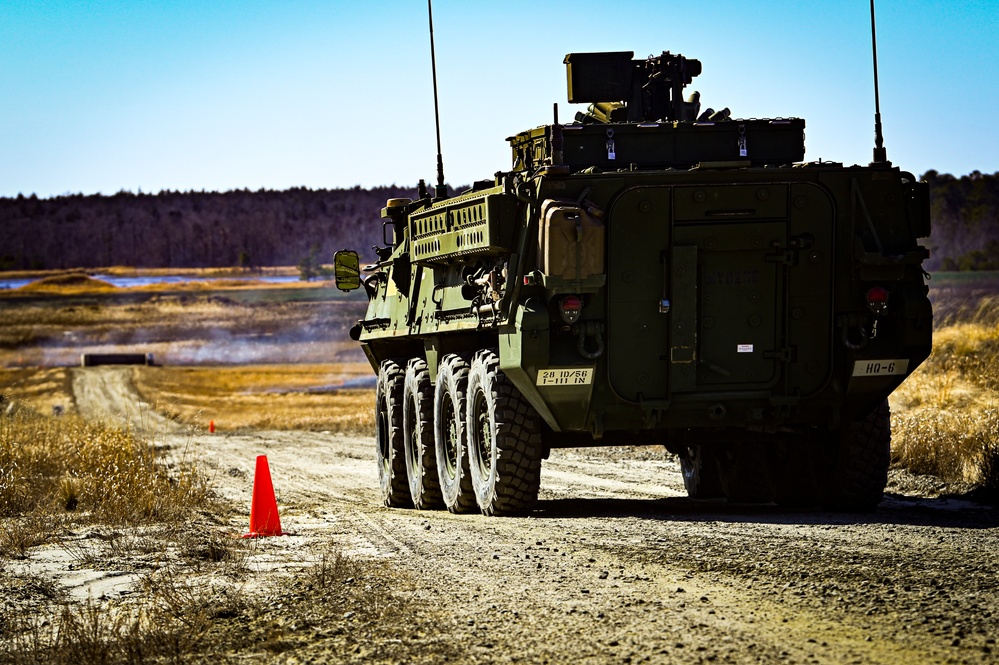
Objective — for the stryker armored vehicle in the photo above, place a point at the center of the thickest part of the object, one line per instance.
(647, 274)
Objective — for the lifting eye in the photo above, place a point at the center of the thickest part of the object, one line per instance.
(570, 307)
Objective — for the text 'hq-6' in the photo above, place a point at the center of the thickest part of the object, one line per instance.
(647, 274)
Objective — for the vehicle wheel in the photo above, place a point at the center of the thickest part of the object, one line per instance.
(794, 472)
(504, 440)
(449, 435)
(700, 473)
(745, 475)
(418, 436)
(389, 436)
(863, 456)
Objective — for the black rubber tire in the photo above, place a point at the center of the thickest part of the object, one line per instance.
(745, 473)
(504, 440)
(391, 457)
(418, 436)
(795, 472)
(700, 473)
(863, 454)
(449, 435)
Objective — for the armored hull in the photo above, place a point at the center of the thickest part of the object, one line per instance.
(674, 281)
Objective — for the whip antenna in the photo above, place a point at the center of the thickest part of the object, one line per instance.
(880, 154)
(440, 191)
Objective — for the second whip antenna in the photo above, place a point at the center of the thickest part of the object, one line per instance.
(440, 191)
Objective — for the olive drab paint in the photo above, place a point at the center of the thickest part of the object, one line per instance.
(652, 272)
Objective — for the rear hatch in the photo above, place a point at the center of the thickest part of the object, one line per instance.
(719, 288)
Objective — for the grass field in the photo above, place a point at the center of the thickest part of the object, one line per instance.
(959, 296)
(101, 493)
(103, 496)
(100, 498)
(945, 418)
(51, 322)
(285, 397)
(249, 357)
(58, 465)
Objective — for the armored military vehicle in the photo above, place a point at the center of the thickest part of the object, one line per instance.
(649, 273)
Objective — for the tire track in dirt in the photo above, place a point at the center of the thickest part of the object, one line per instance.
(108, 393)
(616, 565)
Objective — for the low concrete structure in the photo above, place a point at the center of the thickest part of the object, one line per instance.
(95, 359)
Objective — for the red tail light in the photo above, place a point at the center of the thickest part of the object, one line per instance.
(570, 307)
(877, 299)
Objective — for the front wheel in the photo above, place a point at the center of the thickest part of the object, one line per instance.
(389, 436)
(504, 440)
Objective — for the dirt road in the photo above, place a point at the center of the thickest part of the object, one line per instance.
(616, 564)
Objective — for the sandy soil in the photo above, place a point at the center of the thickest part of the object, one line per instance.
(616, 564)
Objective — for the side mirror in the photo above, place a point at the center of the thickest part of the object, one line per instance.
(346, 270)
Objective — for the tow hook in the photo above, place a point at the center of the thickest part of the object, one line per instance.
(586, 329)
(853, 331)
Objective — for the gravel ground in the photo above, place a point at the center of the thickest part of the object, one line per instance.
(616, 564)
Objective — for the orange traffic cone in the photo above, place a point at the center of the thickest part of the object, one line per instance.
(264, 520)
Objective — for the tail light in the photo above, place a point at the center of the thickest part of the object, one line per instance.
(877, 300)
(570, 307)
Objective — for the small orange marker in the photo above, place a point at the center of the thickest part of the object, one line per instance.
(211, 427)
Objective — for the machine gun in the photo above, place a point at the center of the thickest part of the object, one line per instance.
(622, 89)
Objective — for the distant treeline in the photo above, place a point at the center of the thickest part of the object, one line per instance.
(268, 228)
(190, 229)
(965, 215)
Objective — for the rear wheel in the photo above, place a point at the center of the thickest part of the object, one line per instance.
(449, 435)
(863, 453)
(389, 436)
(745, 472)
(504, 440)
(418, 436)
(794, 469)
(699, 465)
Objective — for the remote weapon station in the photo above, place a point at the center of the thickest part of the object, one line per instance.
(649, 273)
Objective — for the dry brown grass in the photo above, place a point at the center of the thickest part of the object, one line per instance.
(945, 417)
(167, 318)
(44, 389)
(130, 271)
(91, 471)
(57, 474)
(77, 282)
(243, 326)
(337, 609)
(282, 397)
(190, 602)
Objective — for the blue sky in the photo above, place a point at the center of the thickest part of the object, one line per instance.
(100, 96)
